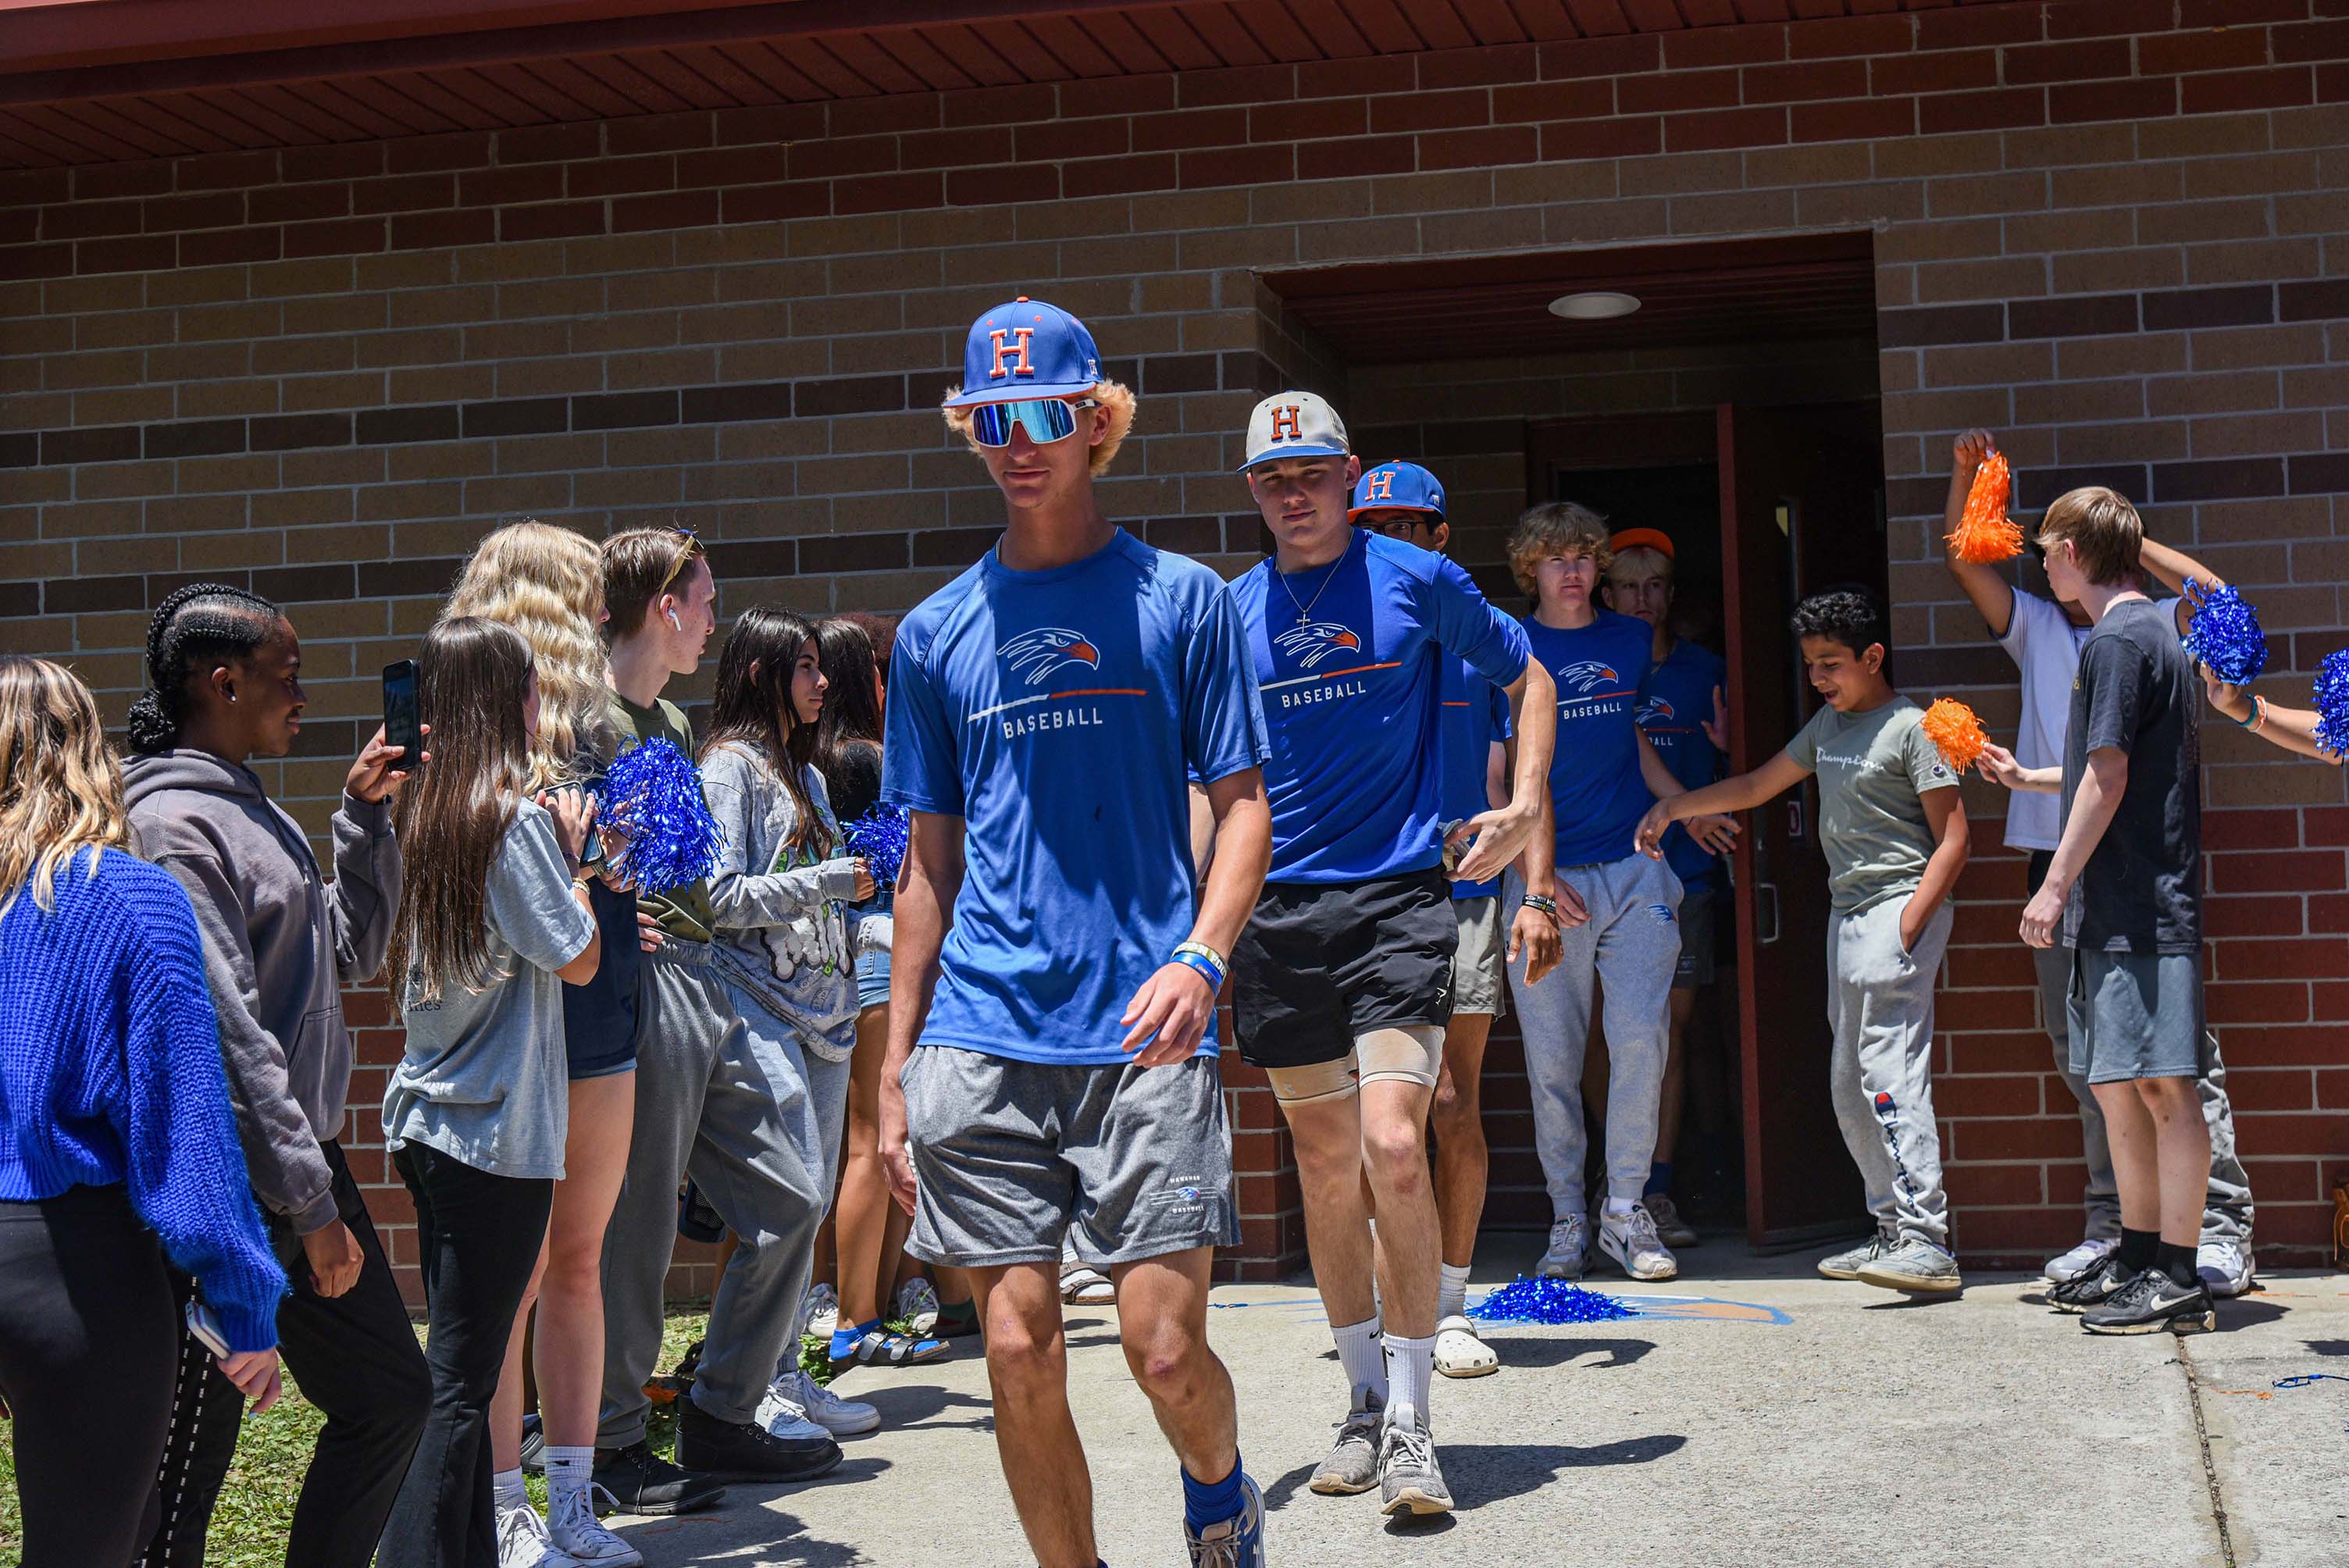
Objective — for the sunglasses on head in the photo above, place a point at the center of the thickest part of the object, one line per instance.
(1046, 420)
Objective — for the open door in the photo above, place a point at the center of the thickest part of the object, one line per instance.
(1801, 508)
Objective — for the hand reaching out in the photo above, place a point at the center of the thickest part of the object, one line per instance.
(1716, 728)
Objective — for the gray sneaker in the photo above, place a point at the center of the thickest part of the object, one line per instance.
(1354, 1462)
(1409, 1480)
(1846, 1264)
(1671, 1228)
(1913, 1265)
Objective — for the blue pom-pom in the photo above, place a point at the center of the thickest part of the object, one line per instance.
(879, 836)
(1548, 1301)
(2332, 703)
(2225, 634)
(653, 795)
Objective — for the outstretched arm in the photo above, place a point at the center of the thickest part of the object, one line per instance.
(2292, 728)
(1742, 792)
(2174, 569)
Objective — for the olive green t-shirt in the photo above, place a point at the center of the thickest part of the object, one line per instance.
(682, 911)
(1874, 768)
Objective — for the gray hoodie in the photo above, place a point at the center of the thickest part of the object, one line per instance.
(279, 945)
(780, 914)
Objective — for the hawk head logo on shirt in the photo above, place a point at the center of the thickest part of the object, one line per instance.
(1035, 654)
(1585, 675)
(1315, 641)
(1653, 710)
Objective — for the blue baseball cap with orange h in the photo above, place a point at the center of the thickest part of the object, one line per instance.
(1026, 348)
(1398, 487)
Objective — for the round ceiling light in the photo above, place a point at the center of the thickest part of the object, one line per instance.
(1600, 306)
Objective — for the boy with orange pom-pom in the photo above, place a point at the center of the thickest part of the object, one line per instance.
(2043, 637)
(1895, 835)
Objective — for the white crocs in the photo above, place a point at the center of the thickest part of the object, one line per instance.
(1459, 1353)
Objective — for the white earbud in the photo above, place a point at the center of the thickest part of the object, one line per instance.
(674, 621)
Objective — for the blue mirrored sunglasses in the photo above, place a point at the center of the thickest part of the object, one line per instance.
(1046, 419)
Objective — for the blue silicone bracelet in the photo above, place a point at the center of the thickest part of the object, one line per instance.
(1214, 976)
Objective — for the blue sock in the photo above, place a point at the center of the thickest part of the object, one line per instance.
(1210, 1502)
(1660, 1176)
(844, 1340)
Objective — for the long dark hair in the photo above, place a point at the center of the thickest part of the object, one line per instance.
(472, 678)
(197, 627)
(851, 708)
(753, 707)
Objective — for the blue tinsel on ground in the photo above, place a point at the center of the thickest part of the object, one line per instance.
(2332, 703)
(653, 795)
(1548, 1301)
(879, 836)
(2226, 635)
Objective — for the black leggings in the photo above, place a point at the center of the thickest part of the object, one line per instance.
(88, 1337)
(354, 1356)
(476, 1237)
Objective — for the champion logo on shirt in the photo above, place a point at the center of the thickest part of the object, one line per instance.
(1585, 675)
(1315, 641)
(1036, 655)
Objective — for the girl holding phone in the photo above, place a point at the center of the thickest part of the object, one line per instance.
(117, 1145)
(492, 925)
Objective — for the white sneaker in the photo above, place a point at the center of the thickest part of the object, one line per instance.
(782, 1414)
(819, 1311)
(1569, 1250)
(572, 1525)
(2070, 1265)
(523, 1542)
(2225, 1266)
(918, 1305)
(1631, 1241)
(806, 1400)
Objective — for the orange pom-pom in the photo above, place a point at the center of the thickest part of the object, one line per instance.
(1985, 534)
(1954, 730)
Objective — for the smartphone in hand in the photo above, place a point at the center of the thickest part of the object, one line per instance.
(400, 724)
(204, 1328)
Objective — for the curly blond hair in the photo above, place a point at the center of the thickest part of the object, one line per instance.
(1113, 396)
(60, 788)
(1556, 528)
(547, 583)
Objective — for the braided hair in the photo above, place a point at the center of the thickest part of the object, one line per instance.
(204, 622)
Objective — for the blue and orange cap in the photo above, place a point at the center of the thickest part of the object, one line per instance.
(1026, 348)
(1397, 487)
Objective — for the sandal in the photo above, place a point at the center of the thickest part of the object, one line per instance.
(1459, 1353)
(876, 1345)
(1081, 1284)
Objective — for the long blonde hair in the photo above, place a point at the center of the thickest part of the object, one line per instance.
(60, 788)
(547, 583)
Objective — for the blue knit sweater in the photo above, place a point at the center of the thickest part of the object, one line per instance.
(110, 1074)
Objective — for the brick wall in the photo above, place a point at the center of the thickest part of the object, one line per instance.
(2107, 229)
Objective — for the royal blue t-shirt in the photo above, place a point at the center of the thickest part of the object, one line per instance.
(1350, 695)
(1056, 713)
(1675, 700)
(1595, 784)
(1475, 715)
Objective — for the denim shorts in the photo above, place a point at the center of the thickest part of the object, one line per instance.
(872, 919)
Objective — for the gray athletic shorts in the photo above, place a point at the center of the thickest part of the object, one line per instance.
(1130, 1162)
(1479, 965)
(1696, 971)
(2137, 1016)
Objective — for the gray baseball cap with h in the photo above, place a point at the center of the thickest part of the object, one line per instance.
(1294, 425)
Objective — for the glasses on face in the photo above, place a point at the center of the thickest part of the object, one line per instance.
(1046, 420)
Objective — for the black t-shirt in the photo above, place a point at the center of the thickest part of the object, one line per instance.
(853, 782)
(2136, 692)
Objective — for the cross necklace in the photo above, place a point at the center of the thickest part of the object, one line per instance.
(1305, 610)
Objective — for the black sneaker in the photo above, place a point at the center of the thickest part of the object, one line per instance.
(534, 1445)
(641, 1482)
(725, 1450)
(2151, 1303)
(2094, 1287)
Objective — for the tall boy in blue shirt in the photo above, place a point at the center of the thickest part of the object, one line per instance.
(1051, 1061)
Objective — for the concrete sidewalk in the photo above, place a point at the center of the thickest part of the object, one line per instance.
(1753, 1413)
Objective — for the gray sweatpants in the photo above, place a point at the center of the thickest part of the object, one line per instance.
(2227, 1206)
(1880, 1074)
(715, 1101)
(812, 1120)
(1632, 943)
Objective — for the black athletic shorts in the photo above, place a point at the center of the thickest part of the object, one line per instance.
(1323, 963)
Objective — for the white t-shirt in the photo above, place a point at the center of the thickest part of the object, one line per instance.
(2044, 645)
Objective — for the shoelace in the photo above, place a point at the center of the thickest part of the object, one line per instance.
(1223, 1551)
(1639, 1230)
(1415, 1447)
(579, 1521)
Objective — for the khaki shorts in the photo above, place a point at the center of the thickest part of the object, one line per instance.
(1479, 965)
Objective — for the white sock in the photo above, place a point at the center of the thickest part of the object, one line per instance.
(1411, 1370)
(1621, 1208)
(509, 1490)
(1451, 1290)
(1358, 1354)
(567, 1470)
